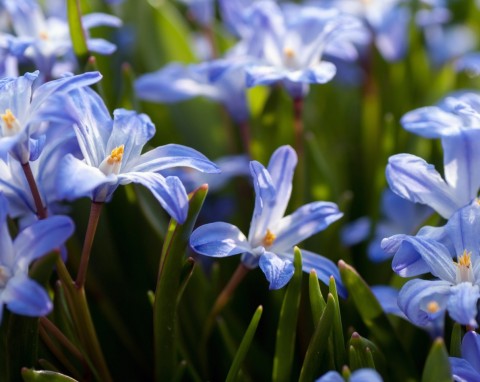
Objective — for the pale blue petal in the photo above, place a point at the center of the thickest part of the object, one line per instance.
(471, 349)
(303, 223)
(41, 238)
(387, 297)
(278, 271)
(219, 240)
(462, 230)
(431, 122)
(169, 191)
(414, 179)
(461, 153)
(131, 130)
(101, 46)
(462, 371)
(263, 74)
(26, 297)
(7, 252)
(173, 155)
(331, 376)
(265, 197)
(415, 296)
(76, 179)
(462, 304)
(325, 268)
(16, 94)
(98, 19)
(281, 168)
(356, 231)
(318, 74)
(365, 375)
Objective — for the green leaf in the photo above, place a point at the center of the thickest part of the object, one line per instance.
(377, 322)
(30, 375)
(287, 325)
(244, 346)
(337, 331)
(437, 365)
(42, 268)
(456, 341)
(76, 31)
(317, 302)
(318, 343)
(169, 287)
(360, 353)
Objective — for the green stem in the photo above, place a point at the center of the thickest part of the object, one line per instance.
(298, 129)
(41, 210)
(95, 210)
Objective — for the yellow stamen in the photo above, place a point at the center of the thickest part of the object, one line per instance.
(8, 118)
(433, 307)
(289, 52)
(43, 35)
(116, 155)
(465, 259)
(269, 238)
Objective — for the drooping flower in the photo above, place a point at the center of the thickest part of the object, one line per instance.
(451, 254)
(272, 236)
(112, 156)
(26, 109)
(467, 368)
(18, 292)
(456, 121)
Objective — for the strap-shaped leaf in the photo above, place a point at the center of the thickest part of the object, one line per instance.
(437, 366)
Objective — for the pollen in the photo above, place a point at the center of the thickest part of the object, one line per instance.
(116, 155)
(43, 35)
(289, 52)
(8, 118)
(433, 307)
(269, 238)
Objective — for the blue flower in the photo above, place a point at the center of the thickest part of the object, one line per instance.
(291, 50)
(360, 375)
(48, 38)
(455, 287)
(272, 236)
(18, 292)
(221, 80)
(467, 368)
(25, 109)
(112, 157)
(456, 121)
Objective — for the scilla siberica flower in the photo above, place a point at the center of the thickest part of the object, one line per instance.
(456, 121)
(18, 292)
(25, 110)
(360, 375)
(272, 236)
(452, 255)
(467, 368)
(112, 157)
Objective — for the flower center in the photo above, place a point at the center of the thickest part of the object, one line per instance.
(289, 57)
(10, 125)
(433, 307)
(112, 163)
(268, 239)
(464, 268)
(43, 35)
(5, 274)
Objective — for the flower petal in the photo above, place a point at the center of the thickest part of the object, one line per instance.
(431, 122)
(263, 74)
(318, 74)
(172, 155)
(462, 304)
(26, 297)
(169, 191)
(471, 349)
(414, 179)
(303, 223)
(219, 240)
(462, 371)
(387, 297)
(325, 268)
(278, 271)
(40, 238)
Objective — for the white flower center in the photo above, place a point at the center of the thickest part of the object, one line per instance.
(464, 268)
(290, 58)
(112, 163)
(10, 124)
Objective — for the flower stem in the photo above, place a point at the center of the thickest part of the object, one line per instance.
(218, 306)
(246, 137)
(210, 37)
(41, 210)
(95, 210)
